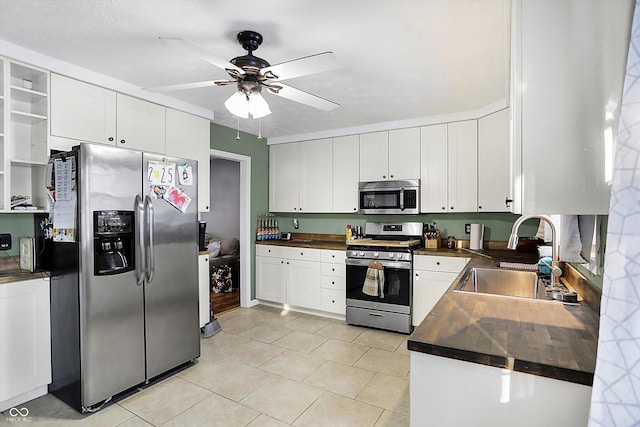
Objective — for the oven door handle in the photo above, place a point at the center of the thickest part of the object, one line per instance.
(403, 265)
(402, 199)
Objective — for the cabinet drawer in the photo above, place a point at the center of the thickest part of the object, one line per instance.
(333, 256)
(305, 254)
(332, 282)
(337, 270)
(271, 251)
(439, 263)
(333, 301)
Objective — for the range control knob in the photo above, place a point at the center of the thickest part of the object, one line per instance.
(361, 253)
(392, 255)
(376, 254)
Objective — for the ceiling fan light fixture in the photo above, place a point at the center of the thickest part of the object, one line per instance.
(238, 104)
(258, 107)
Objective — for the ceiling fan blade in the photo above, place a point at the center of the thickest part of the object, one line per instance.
(302, 97)
(313, 64)
(202, 53)
(183, 86)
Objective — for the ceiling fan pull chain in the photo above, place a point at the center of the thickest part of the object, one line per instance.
(259, 128)
(238, 129)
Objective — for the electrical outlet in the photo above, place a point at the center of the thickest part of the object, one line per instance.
(5, 241)
(467, 228)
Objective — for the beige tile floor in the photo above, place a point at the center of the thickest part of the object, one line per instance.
(266, 368)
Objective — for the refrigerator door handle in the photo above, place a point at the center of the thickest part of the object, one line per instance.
(151, 265)
(140, 255)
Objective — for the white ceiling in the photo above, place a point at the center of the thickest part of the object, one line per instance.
(405, 60)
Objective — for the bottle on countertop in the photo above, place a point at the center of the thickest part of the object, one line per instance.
(349, 234)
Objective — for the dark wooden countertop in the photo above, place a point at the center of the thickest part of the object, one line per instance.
(332, 242)
(543, 338)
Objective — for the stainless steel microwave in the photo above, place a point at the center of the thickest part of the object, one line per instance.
(389, 197)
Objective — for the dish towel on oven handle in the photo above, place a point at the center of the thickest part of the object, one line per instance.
(374, 282)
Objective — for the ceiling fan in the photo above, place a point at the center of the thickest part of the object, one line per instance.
(251, 74)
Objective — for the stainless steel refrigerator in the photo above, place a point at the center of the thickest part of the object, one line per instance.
(124, 286)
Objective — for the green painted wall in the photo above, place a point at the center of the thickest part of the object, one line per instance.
(224, 139)
(497, 225)
(19, 225)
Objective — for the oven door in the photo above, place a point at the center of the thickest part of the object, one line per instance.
(396, 295)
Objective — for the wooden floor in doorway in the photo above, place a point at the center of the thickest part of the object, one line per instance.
(224, 301)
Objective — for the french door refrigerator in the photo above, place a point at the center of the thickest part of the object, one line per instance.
(124, 286)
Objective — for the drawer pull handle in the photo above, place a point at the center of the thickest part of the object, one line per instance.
(376, 315)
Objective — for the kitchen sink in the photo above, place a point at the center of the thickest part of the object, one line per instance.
(513, 283)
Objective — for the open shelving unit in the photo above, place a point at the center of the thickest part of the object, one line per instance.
(25, 134)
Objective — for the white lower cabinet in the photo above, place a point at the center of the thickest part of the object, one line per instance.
(271, 273)
(301, 277)
(203, 288)
(25, 353)
(333, 282)
(433, 275)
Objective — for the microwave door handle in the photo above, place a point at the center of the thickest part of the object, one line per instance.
(402, 199)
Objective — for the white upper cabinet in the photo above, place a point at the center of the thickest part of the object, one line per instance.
(568, 65)
(346, 172)
(284, 181)
(141, 124)
(82, 112)
(390, 155)
(433, 168)
(315, 193)
(404, 154)
(188, 136)
(374, 160)
(448, 167)
(494, 162)
(462, 159)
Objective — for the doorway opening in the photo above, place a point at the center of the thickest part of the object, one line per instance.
(229, 219)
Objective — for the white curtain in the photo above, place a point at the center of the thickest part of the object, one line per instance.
(615, 400)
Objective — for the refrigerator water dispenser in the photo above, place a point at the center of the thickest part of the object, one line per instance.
(113, 242)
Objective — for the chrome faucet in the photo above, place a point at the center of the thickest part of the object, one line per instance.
(513, 243)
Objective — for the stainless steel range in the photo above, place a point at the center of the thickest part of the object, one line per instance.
(380, 275)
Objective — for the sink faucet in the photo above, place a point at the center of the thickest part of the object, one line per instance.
(513, 243)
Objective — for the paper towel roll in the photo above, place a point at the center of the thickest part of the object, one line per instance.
(477, 234)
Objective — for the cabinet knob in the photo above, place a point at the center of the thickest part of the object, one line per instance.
(479, 207)
(110, 138)
(437, 262)
(384, 176)
(333, 301)
(451, 207)
(333, 269)
(355, 209)
(206, 207)
(390, 176)
(417, 274)
(333, 283)
(122, 141)
(444, 208)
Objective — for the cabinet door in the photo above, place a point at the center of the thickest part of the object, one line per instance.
(25, 356)
(493, 162)
(270, 279)
(428, 288)
(188, 137)
(315, 175)
(346, 173)
(141, 125)
(303, 284)
(404, 153)
(374, 156)
(433, 168)
(462, 154)
(82, 111)
(204, 283)
(283, 177)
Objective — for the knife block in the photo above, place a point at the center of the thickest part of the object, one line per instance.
(433, 243)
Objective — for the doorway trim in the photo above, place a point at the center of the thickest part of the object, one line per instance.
(245, 222)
